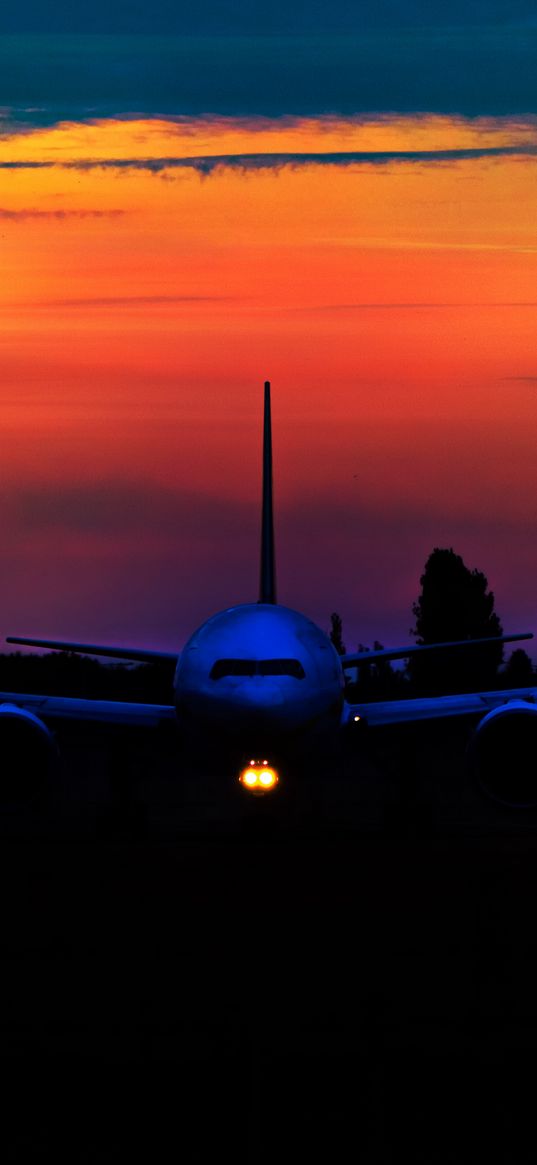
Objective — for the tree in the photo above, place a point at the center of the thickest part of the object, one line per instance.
(336, 633)
(518, 671)
(376, 679)
(455, 603)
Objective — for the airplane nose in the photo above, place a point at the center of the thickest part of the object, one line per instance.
(260, 695)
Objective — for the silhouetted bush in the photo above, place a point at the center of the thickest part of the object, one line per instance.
(518, 671)
(377, 680)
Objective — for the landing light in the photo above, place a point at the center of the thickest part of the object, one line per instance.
(259, 777)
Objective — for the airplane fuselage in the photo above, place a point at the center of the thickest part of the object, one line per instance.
(257, 674)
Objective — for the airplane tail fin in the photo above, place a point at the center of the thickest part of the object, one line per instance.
(267, 579)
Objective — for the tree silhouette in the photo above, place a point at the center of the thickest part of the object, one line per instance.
(336, 633)
(454, 603)
(63, 673)
(376, 679)
(518, 671)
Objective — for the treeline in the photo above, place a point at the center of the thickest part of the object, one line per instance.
(66, 674)
(454, 603)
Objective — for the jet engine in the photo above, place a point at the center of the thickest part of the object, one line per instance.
(27, 755)
(503, 754)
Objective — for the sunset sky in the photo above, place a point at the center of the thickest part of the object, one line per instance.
(194, 201)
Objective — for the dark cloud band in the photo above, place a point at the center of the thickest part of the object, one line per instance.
(468, 69)
(25, 213)
(208, 164)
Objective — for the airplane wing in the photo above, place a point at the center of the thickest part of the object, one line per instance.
(387, 712)
(137, 654)
(55, 708)
(355, 658)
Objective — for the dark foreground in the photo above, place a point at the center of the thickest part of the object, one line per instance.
(358, 984)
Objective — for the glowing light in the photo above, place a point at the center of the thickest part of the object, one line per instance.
(259, 777)
(356, 718)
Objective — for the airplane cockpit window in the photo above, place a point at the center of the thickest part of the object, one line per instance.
(281, 667)
(233, 667)
(257, 667)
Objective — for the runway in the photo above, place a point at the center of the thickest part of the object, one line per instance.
(357, 993)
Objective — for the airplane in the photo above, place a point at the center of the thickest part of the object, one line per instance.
(264, 681)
